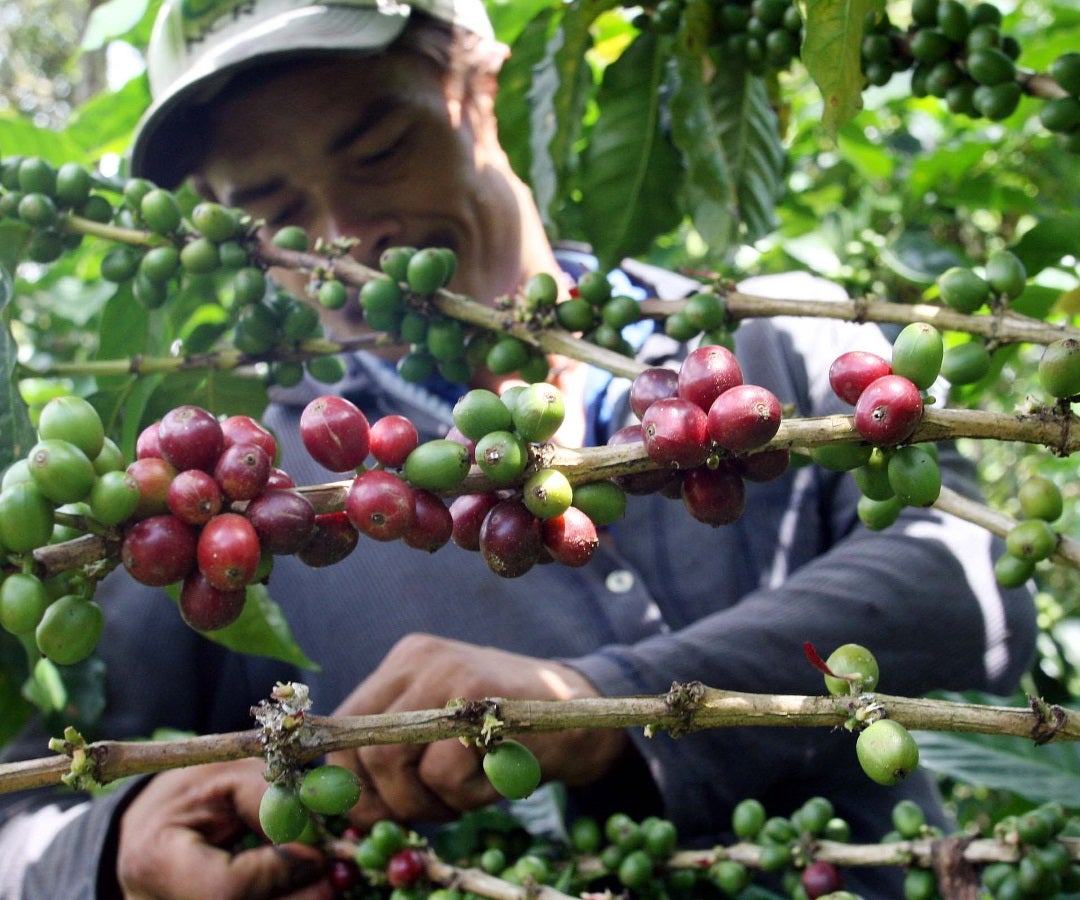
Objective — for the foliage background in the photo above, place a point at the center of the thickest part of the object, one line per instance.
(745, 179)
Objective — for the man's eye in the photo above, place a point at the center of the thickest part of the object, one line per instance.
(382, 154)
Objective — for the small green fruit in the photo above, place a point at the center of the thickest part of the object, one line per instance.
(887, 752)
(1040, 498)
(917, 354)
(437, 465)
(330, 790)
(965, 363)
(1033, 539)
(1011, 571)
(1059, 368)
(69, 629)
(914, 476)
(512, 769)
(1006, 273)
(538, 412)
(281, 814)
(858, 665)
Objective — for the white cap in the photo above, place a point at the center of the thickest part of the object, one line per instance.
(197, 45)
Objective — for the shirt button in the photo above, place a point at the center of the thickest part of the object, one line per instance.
(619, 581)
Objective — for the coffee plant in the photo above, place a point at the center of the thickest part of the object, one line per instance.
(724, 138)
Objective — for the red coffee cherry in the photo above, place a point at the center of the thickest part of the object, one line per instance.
(228, 551)
(744, 417)
(852, 372)
(380, 505)
(706, 373)
(335, 432)
(207, 608)
(189, 437)
(888, 411)
(159, 550)
(284, 521)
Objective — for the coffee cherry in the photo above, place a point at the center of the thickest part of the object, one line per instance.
(248, 286)
(190, 437)
(437, 465)
(908, 819)
(207, 608)
(887, 752)
(284, 520)
(965, 363)
(330, 790)
(27, 517)
(570, 538)
(480, 411)
(380, 505)
(291, 237)
(1011, 571)
(391, 439)
(405, 868)
(61, 471)
(714, 496)
(1065, 70)
(1031, 539)
(502, 456)
(604, 502)
(36, 175)
(335, 433)
(821, 878)
(242, 471)
(159, 550)
(69, 629)
(74, 420)
(997, 101)
(160, 210)
(506, 355)
(512, 769)
(426, 271)
(656, 383)
(744, 417)
(888, 411)
(468, 512)
(878, 515)
(872, 478)
(852, 372)
(706, 373)
(153, 475)
(114, 497)
(120, 264)
(215, 222)
(730, 876)
(1040, 498)
(962, 290)
(747, 819)
(576, 314)
(246, 430)
(914, 476)
(432, 526)
(1006, 273)
(200, 257)
(333, 539)
(647, 482)
(23, 601)
(917, 353)
(854, 668)
(841, 457)
(282, 816)
(676, 433)
(547, 493)
(538, 412)
(767, 465)
(540, 291)
(510, 539)
(1059, 368)
(228, 551)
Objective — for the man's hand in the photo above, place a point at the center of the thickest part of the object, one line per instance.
(411, 782)
(176, 840)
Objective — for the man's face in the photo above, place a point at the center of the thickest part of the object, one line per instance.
(375, 149)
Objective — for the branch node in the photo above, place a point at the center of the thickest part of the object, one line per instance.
(1049, 720)
(282, 719)
(84, 772)
(683, 700)
(482, 716)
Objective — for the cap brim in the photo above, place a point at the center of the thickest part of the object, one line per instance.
(168, 140)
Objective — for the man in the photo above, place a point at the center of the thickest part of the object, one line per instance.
(375, 122)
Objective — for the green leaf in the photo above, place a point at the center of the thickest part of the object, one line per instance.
(105, 123)
(561, 86)
(111, 20)
(262, 630)
(1047, 242)
(832, 56)
(17, 435)
(1047, 772)
(15, 709)
(631, 172)
(515, 82)
(22, 138)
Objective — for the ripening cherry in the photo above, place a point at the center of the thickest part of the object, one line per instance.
(852, 372)
(888, 411)
(335, 432)
(392, 438)
(676, 433)
(510, 539)
(333, 539)
(706, 373)
(207, 608)
(194, 497)
(246, 430)
(744, 417)
(242, 471)
(147, 444)
(380, 505)
(153, 475)
(570, 538)
(228, 551)
(284, 521)
(714, 496)
(467, 512)
(159, 550)
(190, 438)
(432, 526)
(655, 383)
(648, 482)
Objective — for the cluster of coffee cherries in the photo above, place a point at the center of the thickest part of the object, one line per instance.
(72, 481)
(516, 522)
(1044, 867)
(701, 424)
(194, 472)
(888, 401)
(960, 55)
